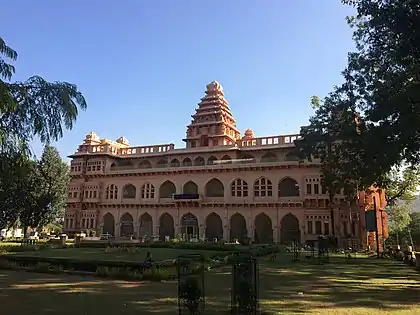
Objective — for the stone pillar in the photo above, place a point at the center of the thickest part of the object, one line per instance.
(226, 227)
(276, 237)
(251, 233)
(250, 227)
(177, 229)
(117, 230)
(136, 227)
(226, 233)
(157, 230)
(202, 231)
(302, 234)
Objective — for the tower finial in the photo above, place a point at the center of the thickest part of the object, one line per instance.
(214, 86)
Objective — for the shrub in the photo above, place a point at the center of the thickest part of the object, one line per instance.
(400, 256)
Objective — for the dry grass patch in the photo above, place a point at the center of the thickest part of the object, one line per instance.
(367, 287)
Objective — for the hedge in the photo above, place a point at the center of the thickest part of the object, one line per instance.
(120, 269)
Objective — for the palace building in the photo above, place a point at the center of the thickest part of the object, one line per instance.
(221, 185)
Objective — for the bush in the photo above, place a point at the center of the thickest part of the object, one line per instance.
(111, 269)
(171, 244)
(400, 256)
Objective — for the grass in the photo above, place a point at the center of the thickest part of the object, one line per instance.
(137, 254)
(368, 286)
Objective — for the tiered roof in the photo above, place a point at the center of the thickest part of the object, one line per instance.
(213, 123)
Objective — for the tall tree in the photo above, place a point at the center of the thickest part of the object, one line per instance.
(46, 190)
(381, 91)
(13, 172)
(33, 108)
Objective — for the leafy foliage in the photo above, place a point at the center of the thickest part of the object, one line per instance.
(399, 217)
(371, 122)
(34, 107)
(402, 185)
(32, 191)
(45, 190)
(13, 169)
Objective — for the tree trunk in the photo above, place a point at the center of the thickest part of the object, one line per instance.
(25, 231)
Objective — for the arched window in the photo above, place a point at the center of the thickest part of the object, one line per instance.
(214, 188)
(145, 164)
(162, 163)
(226, 159)
(288, 187)
(129, 192)
(239, 188)
(269, 157)
(175, 163)
(199, 161)
(111, 192)
(167, 189)
(263, 188)
(211, 160)
(190, 188)
(148, 191)
(187, 162)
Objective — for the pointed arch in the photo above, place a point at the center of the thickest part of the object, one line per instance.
(238, 229)
(108, 224)
(167, 189)
(125, 164)
(148, 191)
(263, 187)
(214, 227)
(246, 158)
(190, 188)
(263, 229)
(175, 163)
(239, 188)
(126, 225)
(145, 164)
(187, 162)
(145, 225)
(189, 225)
(129, 191)
(269, 157)
(199, 161)
(166, 226)
(211, 160)
(162, 163)
(214, 188)
(226, 159)
(288, 187)
(289, 229)
(111, 192)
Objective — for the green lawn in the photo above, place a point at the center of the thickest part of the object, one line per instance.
(137, 254)
(366, 287)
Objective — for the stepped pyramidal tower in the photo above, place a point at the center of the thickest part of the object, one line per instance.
(213, 123)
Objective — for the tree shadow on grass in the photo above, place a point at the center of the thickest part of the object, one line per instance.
(366, 283)
(292, 289)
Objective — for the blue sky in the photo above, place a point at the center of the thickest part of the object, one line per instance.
(143, 64)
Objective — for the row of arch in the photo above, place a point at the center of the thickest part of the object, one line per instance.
(200, 161)
(262, 187)
(263, 232)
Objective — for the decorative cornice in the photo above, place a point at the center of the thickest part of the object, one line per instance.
(225, 169)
